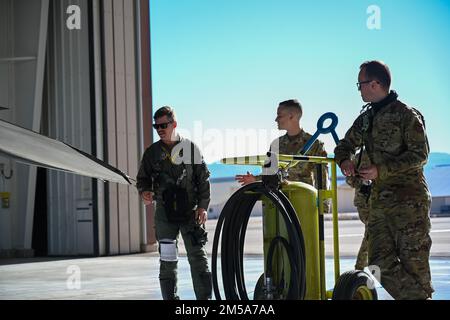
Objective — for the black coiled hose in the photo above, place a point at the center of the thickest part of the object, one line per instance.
(232, 224)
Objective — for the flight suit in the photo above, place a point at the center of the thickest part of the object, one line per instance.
(179, 171)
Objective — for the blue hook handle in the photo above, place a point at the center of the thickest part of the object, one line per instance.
(321, 130)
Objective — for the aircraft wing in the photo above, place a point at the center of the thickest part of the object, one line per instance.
(32, 148)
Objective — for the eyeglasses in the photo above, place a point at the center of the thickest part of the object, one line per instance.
(161, 125)
(358, 84)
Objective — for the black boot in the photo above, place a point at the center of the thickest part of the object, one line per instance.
(204, 290)
(168, 289)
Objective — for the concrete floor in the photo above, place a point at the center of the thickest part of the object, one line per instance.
(136, 276)
(351, 232)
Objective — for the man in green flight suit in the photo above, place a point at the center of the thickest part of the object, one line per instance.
(173, 173)
(394, 137)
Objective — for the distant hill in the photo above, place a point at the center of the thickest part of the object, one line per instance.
(219, 170)
(437, 159)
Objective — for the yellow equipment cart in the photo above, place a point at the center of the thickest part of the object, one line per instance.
(293, 231)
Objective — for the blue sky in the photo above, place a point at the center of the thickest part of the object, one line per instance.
(228, 63)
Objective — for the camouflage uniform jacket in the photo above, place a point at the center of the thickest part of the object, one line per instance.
(162, 167)
(303, 171)
(397, 144)
(360, 199)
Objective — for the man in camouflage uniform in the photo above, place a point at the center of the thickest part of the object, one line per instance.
(288, 118)
(361, 202)
(173, 172)
(395, 140)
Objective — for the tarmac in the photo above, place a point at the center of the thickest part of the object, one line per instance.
(135, 277)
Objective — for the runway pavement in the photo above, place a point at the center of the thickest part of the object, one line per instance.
(350, 235)
(136, 276)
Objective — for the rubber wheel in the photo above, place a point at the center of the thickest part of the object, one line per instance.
(259, 289)
(353, 285)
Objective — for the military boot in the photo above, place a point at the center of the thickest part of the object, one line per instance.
(168, 289)
(203, 290)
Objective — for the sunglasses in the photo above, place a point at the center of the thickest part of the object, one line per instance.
(161, 125)
(358, 84)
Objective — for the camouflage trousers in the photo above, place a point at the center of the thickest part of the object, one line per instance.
(194, 238)
(362, 260)
(399, 244)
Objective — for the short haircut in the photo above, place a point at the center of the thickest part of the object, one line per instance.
(165, 111)
(292, 106)
(377, 70)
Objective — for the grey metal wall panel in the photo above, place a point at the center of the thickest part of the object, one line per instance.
(68, 117)
(121, 116)
(6, 100)
(132, 121)
(25, 28)
(6, 94)
(100, 219)
(108, 43)
(22, 47)
(84, 220)
(121, 94)
(69, 112)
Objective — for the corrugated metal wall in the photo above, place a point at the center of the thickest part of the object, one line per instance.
(70, 113)
(24, 32)
(6, 101)
(5, 52)
(76, 91)
(70, 197)
(121, 122)
(146, 109)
